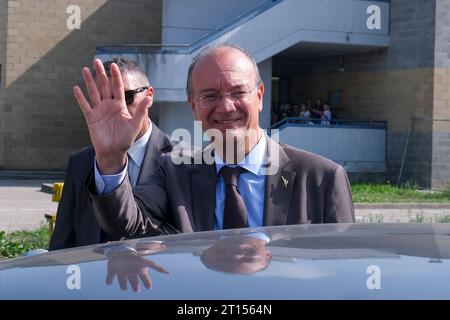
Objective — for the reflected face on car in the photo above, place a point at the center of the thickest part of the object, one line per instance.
(237, 254)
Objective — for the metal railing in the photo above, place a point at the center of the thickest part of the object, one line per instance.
(314, 122)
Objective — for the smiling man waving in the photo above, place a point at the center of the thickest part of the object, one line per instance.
(251, 181)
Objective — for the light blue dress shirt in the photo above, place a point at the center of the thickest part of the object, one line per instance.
(250, 185)
(107, 183)
(136, 156)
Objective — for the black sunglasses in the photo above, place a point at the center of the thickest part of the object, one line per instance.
(129, 94)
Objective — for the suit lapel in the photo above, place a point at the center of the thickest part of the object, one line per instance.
(93, 234)
(278, 186)
(203, 186)
(156, 144)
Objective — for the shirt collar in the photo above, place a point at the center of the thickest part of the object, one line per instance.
(253, 160)
(137, 150)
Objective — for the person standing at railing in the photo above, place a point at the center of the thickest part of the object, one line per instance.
(326, 115)
(317, 110)
(275, 117)
(323, 111)
(304, 115)
(309, 104)
(285, 110)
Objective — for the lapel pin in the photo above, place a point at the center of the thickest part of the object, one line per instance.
(285, 182)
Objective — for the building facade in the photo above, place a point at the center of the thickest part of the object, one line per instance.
(42, 53)
(386, 60)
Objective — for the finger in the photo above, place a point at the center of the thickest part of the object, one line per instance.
(145, 279)
(122, 281)
(110, 277)
(156, 267)
(81, 100)
(134, 282)
(141, 112)
(102, 80)
(91, 87)
(117, 83)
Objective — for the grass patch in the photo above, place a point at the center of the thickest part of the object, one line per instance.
(386, 193)
(15, 244)
(377, 218)
(443, 219)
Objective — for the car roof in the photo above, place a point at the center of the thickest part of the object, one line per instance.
(323, 261)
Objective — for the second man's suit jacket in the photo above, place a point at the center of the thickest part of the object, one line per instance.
(76, 224)
(306, 188)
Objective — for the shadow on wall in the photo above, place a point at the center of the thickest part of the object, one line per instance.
(42, 122)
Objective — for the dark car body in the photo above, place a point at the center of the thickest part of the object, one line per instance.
(328, 261)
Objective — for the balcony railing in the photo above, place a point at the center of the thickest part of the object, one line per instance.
(306, 122)
(359, 146)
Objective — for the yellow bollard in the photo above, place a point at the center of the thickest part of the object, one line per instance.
(57, 189)
(51, 218)
(56, 197)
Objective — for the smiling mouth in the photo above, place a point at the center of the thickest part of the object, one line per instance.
(227, 121)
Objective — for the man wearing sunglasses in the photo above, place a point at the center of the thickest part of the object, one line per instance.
(76, 224)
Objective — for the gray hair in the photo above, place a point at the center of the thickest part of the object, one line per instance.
(207, 51)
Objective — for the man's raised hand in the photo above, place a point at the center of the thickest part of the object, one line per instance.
(111, 127)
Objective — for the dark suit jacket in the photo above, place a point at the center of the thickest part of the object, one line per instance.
(76, 224)
(181, 198)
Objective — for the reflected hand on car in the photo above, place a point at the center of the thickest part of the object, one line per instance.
(129, 267)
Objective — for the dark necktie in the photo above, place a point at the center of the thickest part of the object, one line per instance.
(234, 213)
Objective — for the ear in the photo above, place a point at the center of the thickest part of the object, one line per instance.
(149, 93)
(192, 105)
(260, 96)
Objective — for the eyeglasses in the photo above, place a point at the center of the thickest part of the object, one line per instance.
(210, 100)
(129, 94)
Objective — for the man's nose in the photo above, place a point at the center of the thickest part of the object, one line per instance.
(225, 104)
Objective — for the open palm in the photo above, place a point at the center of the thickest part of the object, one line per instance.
(111, 127)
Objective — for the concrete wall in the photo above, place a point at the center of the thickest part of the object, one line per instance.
(393, 84)
(441, 100)
(41, 123)
(175, 115)
(3, 21)
(356, 149)
(186, 21)
(265, 69)
(442, 37)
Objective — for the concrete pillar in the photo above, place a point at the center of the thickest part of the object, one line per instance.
(265, 69)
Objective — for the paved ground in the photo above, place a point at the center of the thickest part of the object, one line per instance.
(23, 205)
